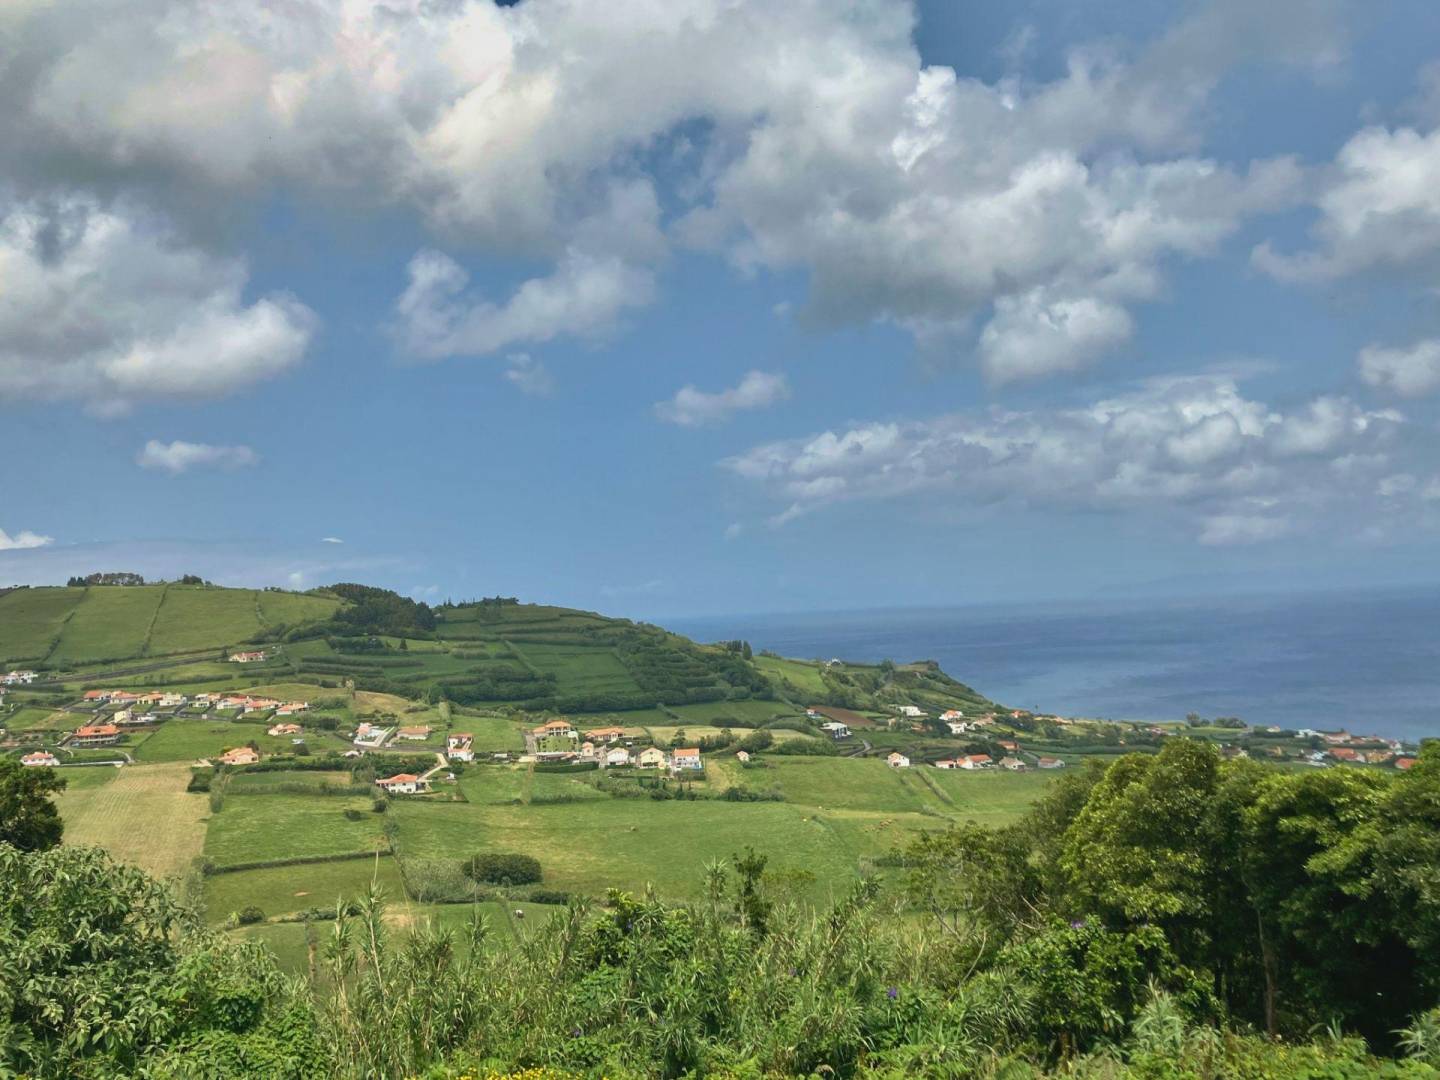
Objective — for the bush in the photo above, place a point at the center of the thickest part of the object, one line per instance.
(558, 897)
(249, 915)
(502, 868)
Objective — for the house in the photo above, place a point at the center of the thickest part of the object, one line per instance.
(835, 729)
(241, 755)
(368, 735)
(122, 717)
(742, 756)
(1050, 763)
(1343, 753)
(17, 678)
(617, 756)
(556, 729)
(1377, 757)
(290, 708)
(1404, 762)
(171, 701)
(958, 727)
(284, 729)
(1014, 764)
(686, 759)
(651, 758)
(1307, 733)
(813, 713)
(97, 697)
(246, 657)
(403, 784)
(910, 712)
(947, 763)
(259, 704)
(96, 735)
(897, 760)
(414, 734)
(1007, 744)
(126, 718)
(606, 734)
(1337, 738)
(951, 715)
(977, 761)
(229, 702)
(459, 746)
(202, 701)
(40, 758)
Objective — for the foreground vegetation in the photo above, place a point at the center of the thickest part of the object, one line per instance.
(1170, 915)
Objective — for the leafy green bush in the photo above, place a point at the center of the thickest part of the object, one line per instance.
(502, 868)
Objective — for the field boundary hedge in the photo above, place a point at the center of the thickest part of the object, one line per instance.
(212, 870)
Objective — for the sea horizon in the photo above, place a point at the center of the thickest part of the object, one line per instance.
(1358, 658)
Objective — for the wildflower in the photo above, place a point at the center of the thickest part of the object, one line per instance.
(892, 993)
(575, 1032)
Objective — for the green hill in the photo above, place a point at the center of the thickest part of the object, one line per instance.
(490, 652)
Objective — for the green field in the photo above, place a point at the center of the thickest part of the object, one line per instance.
(30, 621)
(110, 623)
(294, 609)
(190, 740)
(31, 718)
(579, 668)
(279, 890)
(804, 676)
(254, 828)
(192, 617)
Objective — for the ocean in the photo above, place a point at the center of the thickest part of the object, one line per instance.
(1368, 661)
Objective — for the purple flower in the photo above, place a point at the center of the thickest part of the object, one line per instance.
(892, 993)
(1077, 924)
(575, 1032)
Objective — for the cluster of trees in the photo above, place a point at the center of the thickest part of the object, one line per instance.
(502, 868)
(380, 611)
(112, 577)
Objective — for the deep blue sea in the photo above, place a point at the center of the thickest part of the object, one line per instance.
(1369, 661)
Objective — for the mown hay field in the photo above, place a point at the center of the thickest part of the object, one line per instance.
(141, 815)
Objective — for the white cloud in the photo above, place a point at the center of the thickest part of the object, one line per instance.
(23, 540)
(331, 540)
(1379, 206)
(1236, 468)
(692, 407)
(180, 456)
(584, 297)
(734, 530)
(1411, 371)
(529, 375)
(806, 135)
(105, 307)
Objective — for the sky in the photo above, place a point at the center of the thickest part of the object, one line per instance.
(721, 306)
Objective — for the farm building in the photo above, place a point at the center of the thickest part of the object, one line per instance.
(977, 761)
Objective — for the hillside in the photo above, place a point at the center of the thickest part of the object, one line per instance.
(530, 656)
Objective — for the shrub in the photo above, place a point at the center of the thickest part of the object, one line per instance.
(502, 868)
(249, 915)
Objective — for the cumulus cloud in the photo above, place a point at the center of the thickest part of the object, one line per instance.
(104, 307)
(584, 297)
(23, 540)
(1236, 468)
(692, 407)
(529, 375)
(180, 456)
(807, 136)
(1410, 371)
(1378, 207)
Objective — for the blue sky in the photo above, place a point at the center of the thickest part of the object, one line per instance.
(713, 307)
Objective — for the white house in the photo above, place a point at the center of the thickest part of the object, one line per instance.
(587, 751)
(977, 761)
(910, 712)
(171, 701)
(947, 763)
(414, 734)
(686, 759)
(652, 758)
(40, 758)
(459, 746)
(404, 784)
(122, 717)
(370, 736)
(1307, 733)
(1013, 764)
(17, 678)
(246, 657)
(617, 756)
(957, 727)
(950, 715)
(1051, 763)
(835, 729)
(562, 729)
(742, 756)
(897, 760)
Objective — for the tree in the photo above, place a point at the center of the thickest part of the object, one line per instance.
(28, 818)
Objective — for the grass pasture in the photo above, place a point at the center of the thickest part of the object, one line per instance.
(804, 676)
(256, 828)
(280, 890)
(190, 740)
(110, 623)
(193, 617)
(141, 815)
(293, 609)
(32, 718)
(579, 668)
(30, 620)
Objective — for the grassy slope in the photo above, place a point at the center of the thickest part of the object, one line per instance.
(141, 815)
(31, 619)
(109, 624)
(253, 828)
